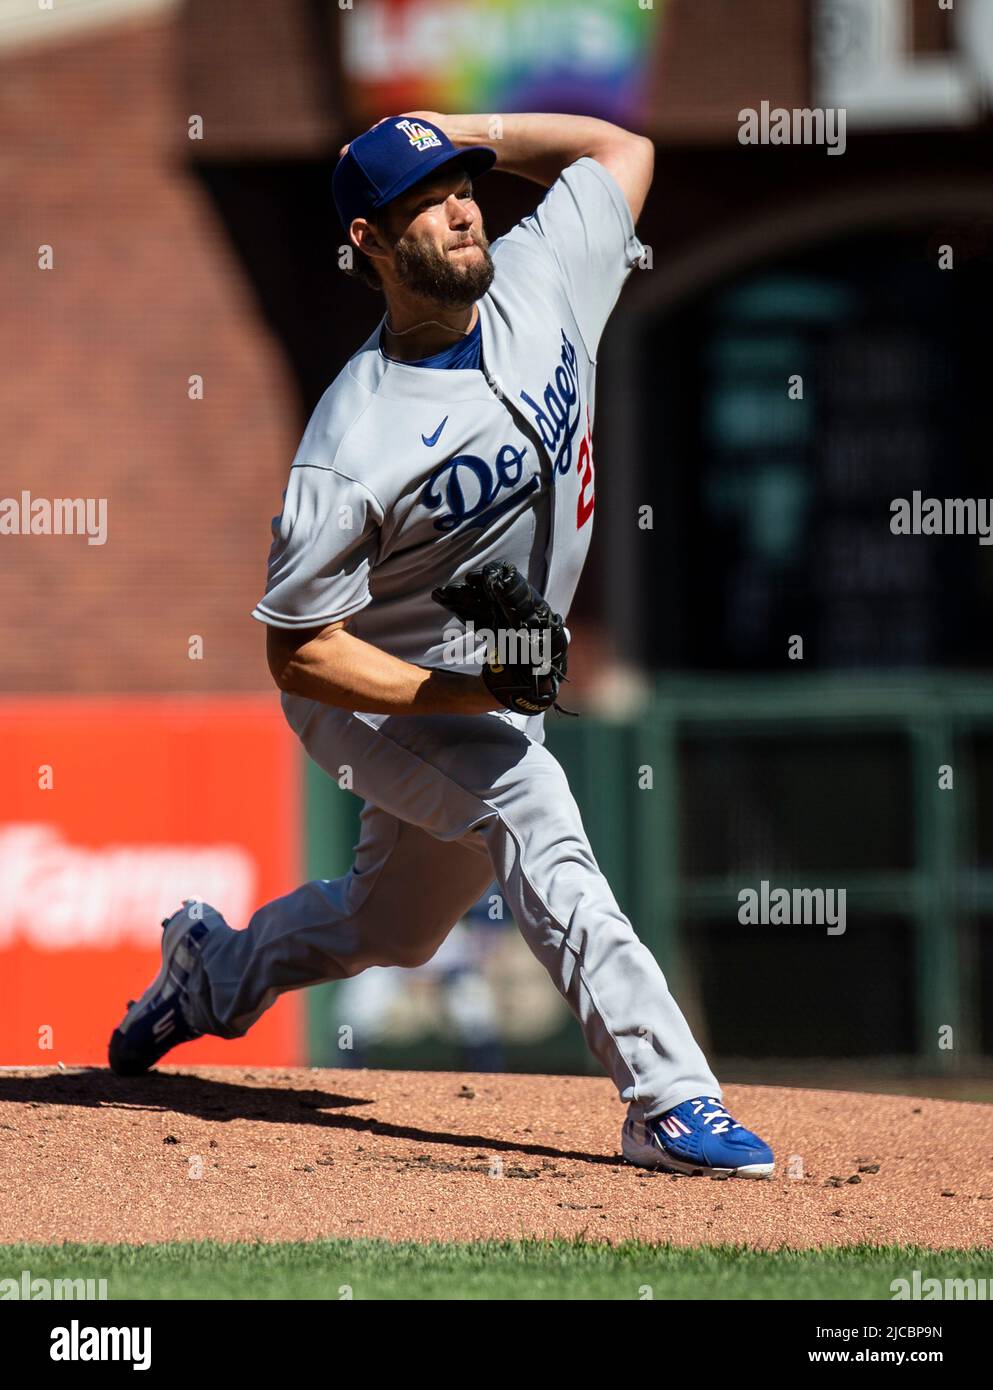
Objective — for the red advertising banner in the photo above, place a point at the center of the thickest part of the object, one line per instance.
(111, 812)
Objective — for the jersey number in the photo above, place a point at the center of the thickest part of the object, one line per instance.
(587, 498)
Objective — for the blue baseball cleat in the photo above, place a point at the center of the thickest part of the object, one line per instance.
(156, 1022)
(698, 1136)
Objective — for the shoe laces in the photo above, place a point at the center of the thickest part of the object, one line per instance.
(717, 1118)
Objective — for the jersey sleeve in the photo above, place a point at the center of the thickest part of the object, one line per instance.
(586, 226)
(324, 545)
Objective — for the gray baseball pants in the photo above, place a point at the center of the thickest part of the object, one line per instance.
(453, 802)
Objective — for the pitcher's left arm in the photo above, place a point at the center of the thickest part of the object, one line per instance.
(540, 146)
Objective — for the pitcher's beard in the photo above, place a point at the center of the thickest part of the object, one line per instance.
(434, 275)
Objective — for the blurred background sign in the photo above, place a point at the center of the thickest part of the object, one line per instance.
(905, 62)
(112, 812)
(588, 56)
(775, 510)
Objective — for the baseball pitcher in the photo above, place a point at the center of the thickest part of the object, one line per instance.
(434, 526)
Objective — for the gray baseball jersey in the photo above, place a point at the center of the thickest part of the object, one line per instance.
(406, 478)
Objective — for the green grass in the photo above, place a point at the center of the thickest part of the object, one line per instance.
(528, 1269)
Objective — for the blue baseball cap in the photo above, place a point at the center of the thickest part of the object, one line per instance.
(387, 160)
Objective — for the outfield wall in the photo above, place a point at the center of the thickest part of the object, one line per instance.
(877, 786)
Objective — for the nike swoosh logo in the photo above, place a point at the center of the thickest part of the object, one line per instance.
(432, 441)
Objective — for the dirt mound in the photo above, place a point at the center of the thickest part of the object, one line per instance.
(237, 1154)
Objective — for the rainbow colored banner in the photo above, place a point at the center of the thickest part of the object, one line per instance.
(588, 57)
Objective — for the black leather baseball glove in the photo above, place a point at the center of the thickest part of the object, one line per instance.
(528, 643)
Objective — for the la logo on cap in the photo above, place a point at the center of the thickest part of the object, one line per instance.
(420, 136)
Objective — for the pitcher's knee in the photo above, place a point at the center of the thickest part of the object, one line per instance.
(405, 954)
(406, 943)
(409, 955)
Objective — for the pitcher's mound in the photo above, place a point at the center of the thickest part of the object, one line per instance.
(235, 1154)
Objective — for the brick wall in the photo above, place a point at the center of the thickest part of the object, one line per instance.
(717, 56)
(264, 75)
(145, 291)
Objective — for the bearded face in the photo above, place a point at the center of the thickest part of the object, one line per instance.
(454, 276)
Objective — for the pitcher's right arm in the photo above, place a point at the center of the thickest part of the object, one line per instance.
(331, 666)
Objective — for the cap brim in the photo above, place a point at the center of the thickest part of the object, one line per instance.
(477, 159)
